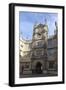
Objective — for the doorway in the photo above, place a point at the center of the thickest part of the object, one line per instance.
(38, 68)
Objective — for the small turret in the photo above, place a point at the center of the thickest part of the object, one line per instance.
(56, 28)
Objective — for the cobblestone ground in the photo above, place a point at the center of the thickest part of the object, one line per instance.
(37, 75)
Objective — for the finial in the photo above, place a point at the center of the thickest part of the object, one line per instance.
(56, 25)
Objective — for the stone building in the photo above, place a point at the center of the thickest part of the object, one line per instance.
(39, 48)
(25, 56)
(39, 55)
(53, 53)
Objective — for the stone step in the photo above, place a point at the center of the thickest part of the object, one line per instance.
(27, 72)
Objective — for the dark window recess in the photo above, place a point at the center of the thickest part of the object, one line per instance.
(39, 44)
(51, 65)
(45, 45)
(26, 66)
(20, 56)
(21, 45)
(20, 50)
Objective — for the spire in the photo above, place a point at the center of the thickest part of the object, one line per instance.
(56, 25)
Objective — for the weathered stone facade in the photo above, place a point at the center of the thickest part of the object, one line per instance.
(39, 56)
(39, 48)
(25, 57)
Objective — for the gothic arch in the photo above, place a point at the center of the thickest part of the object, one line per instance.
(38, 67)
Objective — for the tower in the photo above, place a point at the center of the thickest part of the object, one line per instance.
(39, 48)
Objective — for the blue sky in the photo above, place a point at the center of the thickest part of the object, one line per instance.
(28, 19)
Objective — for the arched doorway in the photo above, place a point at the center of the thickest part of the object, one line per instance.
(38, 68)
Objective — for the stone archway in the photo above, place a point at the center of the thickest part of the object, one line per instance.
(38, 68)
